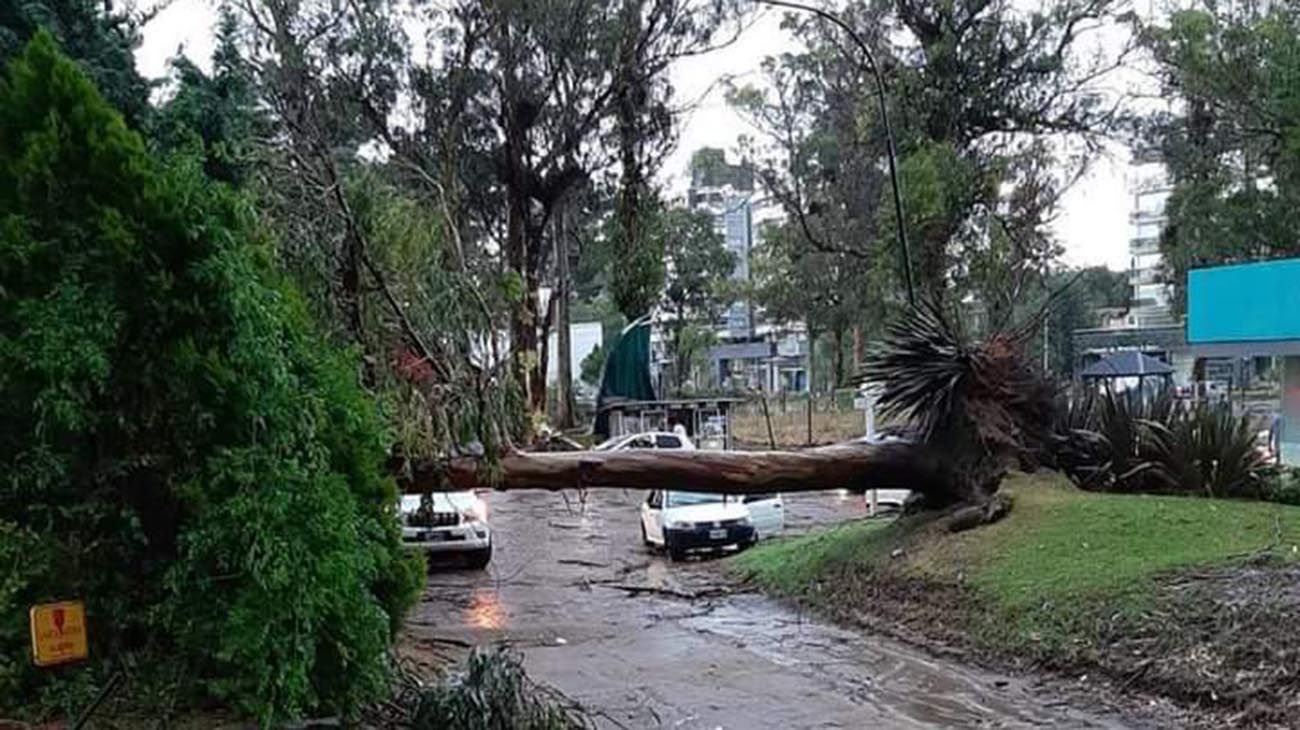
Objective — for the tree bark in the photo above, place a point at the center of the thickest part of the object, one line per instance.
(893, 465)
(524, 312)
(858, 349)
(564, 347)
(838, 339)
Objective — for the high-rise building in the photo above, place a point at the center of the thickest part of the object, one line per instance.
(747, 355)
(1149, 305)
(1148, 325)
(726, 191)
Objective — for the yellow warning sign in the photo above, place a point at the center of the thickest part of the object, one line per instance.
(58, 633)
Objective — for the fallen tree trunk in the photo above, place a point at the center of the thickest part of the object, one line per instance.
(892, 466)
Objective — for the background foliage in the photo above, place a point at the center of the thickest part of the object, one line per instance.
(1232, 143)
(203, 470)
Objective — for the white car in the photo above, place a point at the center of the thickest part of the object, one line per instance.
(885, 500)
(647, 440)
(680, 522)
(448, 523)
(766, 510)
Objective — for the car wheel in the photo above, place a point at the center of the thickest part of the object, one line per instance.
(479, 559)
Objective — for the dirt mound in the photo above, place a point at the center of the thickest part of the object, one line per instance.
(1227, 639)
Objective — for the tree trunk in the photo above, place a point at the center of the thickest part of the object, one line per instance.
(524, 314)
(632, 300)
(542, 365)
(812, 352)
(858, 348)
(838, 341)
(350, 288)
(681, 358)
(893, 465)
(564, 354)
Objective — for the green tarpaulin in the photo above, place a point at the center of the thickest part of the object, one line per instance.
(626, 376)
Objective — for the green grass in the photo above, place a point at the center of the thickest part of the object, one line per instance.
(1061, 543)
(1061, 559)
(787, 566)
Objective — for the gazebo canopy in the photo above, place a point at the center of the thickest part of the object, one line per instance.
(1128, 364)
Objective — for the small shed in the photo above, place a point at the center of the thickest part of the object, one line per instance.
(706, 420)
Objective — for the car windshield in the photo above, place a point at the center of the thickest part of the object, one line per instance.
(683, 499)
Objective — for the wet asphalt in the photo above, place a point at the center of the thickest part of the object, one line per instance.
(648, 643)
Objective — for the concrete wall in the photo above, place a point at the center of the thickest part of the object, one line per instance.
(1291, 410)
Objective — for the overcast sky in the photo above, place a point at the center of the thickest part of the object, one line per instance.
(1092, 225)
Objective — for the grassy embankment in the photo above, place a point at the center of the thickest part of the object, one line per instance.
(1198, 599)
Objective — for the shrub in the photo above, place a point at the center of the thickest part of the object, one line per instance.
(1204, 450)
(1100, 439)
(1114, 442)
(196, 464)
(1282, 485)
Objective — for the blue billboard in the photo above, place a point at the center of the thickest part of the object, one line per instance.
(1244, 303)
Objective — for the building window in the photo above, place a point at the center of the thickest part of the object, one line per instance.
(1152, 203)
(1148, 229)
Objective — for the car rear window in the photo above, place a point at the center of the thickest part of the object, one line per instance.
(668, 442)
(682, 499)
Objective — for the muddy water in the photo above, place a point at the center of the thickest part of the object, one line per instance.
(565, 588)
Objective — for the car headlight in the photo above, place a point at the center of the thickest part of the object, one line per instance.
(678, 525)
(746, 521)
(476, 512)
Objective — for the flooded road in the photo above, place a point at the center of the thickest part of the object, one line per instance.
(652, 644)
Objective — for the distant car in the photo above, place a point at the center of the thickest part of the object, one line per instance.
(766, 510)
(448, 523)
(681, 522)
(886, 499)
(647, 440)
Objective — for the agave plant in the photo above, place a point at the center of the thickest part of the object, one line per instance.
(1117, 442)
(980, 403)
(1120, 430)
(1078, 449)
(1204, 450)
(1102, 439)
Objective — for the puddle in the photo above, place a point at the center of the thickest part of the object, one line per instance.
(485, 610)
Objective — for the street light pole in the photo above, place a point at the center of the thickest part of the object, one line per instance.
(892, 149)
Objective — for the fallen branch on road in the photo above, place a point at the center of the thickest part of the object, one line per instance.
(584, 563)
(635, 590)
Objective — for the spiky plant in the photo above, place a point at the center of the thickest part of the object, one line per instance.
(1120, 429)
(1102, 439)
(982, 404)
(1204, 450)
(1078, 449)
